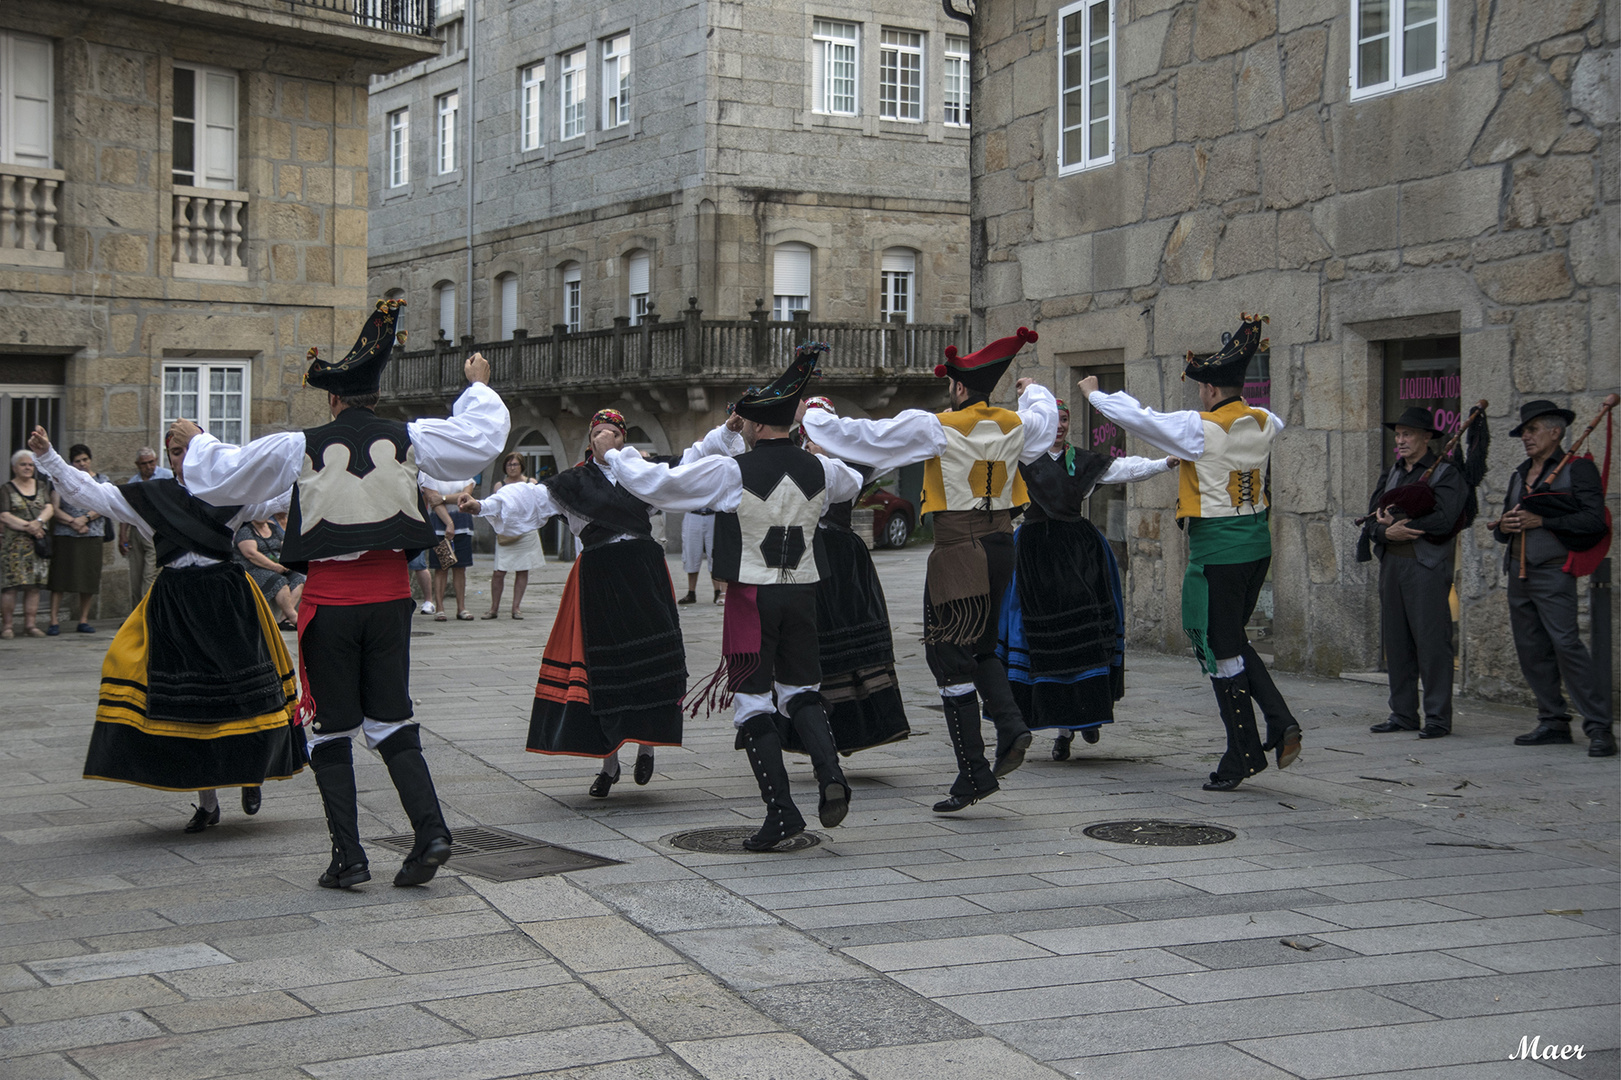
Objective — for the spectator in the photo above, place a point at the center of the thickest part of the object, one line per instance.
(457, 528)
(258, 545)
(76, 549)
(26, 512)
(142, 556)
(518, 554)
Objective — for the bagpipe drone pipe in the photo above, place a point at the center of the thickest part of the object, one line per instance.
(1586, 548)
(1417, 500)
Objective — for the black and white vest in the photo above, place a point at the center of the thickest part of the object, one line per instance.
(357, 491)
(768, 540)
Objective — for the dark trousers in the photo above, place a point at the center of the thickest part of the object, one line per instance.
(1234, 590)
(1415, 627)
(1542, 612)
(790, 644)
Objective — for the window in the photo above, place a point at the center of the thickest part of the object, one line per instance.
(833, 64)
(900, 76)
(204, 128)
(639, 271)
(25, 405)
(532, 135)
(399, 148)
(574, 94)
(25, 100)
(1398, 43)
(615, 81)
(445, 294)
(790, 281)
(897, 273)
(956, 84)
(447, 107)
(571, 297)
(1086, 85)
(213, 394)
(1424, 372)
(507, 287)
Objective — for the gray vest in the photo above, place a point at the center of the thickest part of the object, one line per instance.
(1542, 547)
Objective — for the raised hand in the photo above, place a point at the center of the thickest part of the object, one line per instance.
(1023, 384)
(467, 504)
(1088, 384)
(39, 441)
(477, 369)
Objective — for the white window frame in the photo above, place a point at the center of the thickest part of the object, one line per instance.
(571, 96)
(532, 106)
(615, 81)
(15, 100)
(829, 45)
(1394, 49)
(506, 294)
(447, 119)
(897, 286)
(639, 298)
(784, 304)
(444, 295)
(212, 140)
(900, 75)
(399, 148)
(1087, 87)
(571, 298)
(206, 406)
(955, 88)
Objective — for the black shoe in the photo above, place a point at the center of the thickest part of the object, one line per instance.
(251, 798)
(1434, 731)
(1216, 783)
(720, 597)
(834, 804)
(202, 819)
(1061, 747)
(1388, 726)
(777, 828)
(338, 876)
(690, 598)
(600, 785)
(952, 803)
(419, 869)
(1288, 747)
(1544, 734)
(643, 772)
(1601, 743)
(1090, 734)
(1014, 757)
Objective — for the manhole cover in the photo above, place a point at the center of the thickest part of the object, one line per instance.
(497, 855)
(729, 841)
(1159, 833)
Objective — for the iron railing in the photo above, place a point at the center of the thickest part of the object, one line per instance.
(400, 16)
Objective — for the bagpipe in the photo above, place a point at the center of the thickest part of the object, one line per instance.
(1587, 549)
(1416, 500)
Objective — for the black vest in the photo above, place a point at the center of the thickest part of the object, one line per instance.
(180, 521)
(371, 504)
(611, 510)
(767, 541)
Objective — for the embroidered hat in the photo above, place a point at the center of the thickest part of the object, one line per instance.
(608, 416)
(360, 372)
(1227, 365)
(776, 404)
(820, 402)
(1541, 407)
(1415, 417)
(979, 371)
(1063, 406)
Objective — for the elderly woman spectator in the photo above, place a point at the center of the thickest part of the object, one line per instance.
(26, 512)
(258, 546)
(76, 548)
(518, 554)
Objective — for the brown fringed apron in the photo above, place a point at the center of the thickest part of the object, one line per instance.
(959, 579)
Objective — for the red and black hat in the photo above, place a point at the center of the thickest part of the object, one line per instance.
(776, 404)
(360, 372)
(611, 417)
(979, 371)
(1227, 365)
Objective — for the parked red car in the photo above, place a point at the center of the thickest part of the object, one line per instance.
(893, 518)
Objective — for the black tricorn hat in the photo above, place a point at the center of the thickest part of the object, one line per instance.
(360, 372)
(1541, 407)
(1227, 365)
(775, 405)
(1417, 418)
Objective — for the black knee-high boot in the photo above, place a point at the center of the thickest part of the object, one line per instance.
(760, 739)
(333, 763)
(1013, 736)
(975, 780)
(1279, 720)
(1244, 757)
(402, 753)
(809, 717)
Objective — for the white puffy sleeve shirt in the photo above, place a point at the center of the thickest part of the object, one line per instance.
(715, 482)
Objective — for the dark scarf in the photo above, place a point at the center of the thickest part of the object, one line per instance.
(585, 492)
(180, 521)
(1058, 487)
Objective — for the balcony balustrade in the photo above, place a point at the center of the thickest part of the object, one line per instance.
(28, 224)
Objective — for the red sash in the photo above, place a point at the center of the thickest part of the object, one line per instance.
(375, 578)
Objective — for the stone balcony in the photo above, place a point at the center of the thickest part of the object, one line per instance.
(208, 230)
(28, 215)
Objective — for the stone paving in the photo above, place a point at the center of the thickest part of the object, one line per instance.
(1444, 901)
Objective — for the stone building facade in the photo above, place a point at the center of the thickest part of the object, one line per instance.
(563, 164)
(1427, 211)
(183, 192)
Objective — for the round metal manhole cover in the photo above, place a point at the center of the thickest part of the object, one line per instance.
(729, 841)
(1159, 833)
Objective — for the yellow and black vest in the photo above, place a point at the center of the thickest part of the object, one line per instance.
(979, 468)
(1230, 479)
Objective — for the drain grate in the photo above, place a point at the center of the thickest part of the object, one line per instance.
(1159, 833)
(729, 841)
(497, 855)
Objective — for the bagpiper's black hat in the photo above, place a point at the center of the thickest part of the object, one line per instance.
(1226, 366)
(776, 404)
(360, 372)
(1542, 407)
(1417, 418)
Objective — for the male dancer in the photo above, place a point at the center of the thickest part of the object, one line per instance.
(769, 500)
(357, 517)
(1225, 480)
(971, 484)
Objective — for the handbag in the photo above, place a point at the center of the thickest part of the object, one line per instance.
(446, 553)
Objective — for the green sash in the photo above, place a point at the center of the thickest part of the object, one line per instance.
(1216, 542)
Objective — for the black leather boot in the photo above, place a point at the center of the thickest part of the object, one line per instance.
(1013, 736)
(1282, 729)
(760, 739)
(1600, 740)
(809, 717)
(975, 780)
(334, 766)
(402, 753)
(1244, 757)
